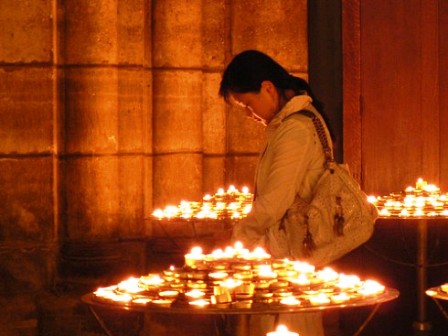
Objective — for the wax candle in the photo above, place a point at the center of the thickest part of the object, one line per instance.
(142, 300)
(319, 299)
(444, 287)
(348, 281)
(130, 285)
(195, 257)
(199, 303)
(218, 275)
(290, 301)
(282, 330)
(194, 294)
(151, 280)
(371, 287)
(340, 298)
(168, 294)
(223, 297)
(265, 272)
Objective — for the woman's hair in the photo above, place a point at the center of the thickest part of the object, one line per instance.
(250, 68)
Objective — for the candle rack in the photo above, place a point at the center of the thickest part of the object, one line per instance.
(236, 281)
(420, 206)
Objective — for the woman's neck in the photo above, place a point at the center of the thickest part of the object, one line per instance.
(285, 97)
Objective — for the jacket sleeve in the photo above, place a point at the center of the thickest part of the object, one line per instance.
(282, 169)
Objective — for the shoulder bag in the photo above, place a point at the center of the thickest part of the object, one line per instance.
(339, 217)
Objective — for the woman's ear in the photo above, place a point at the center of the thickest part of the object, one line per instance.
(268, 86)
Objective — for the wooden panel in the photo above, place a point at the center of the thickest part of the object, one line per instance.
(443, 90)
(430, 111)
(352, 85)
(395, 92)
(391, 102)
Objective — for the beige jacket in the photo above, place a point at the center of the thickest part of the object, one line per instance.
(289, 166)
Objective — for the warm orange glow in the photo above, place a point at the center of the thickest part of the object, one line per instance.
(423, 200)
(282, 331)
(231, 204)
(240, 278)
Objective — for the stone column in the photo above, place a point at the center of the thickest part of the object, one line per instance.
(28, 164)
(106, 144)
(214, 118)
(177, 96)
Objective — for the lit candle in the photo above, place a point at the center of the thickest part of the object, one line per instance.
(371, 287)
(158, 213)
(218, 275)
(282, 331)
(142, 300)
(420, 185)
(424, 200)
(124, 297)
(348, 281)
(259, 254)
(319, 299)
(130, 285)
(245, 289)
(168, 294)
(300, 280)
(340, 298)
(223, 297)
(230, 284)
(151, 280)
(303, 267)
(108, 293)
(195, 257)
(170, 274)
(104, 291)
(195, 294)
(444, 287)
(200, 303)
(384, 212)
(327, 274)
(265, 272)
(290, 301)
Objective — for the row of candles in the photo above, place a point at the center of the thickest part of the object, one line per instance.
(224, 204)
(423, 200)
(236, 278)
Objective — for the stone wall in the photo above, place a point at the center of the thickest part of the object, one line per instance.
(108, 109)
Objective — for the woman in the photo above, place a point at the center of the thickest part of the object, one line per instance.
(289, 166)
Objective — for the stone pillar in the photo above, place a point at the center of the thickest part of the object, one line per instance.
(177, 97)
(28, 169)
(214, 118)
(106, 144)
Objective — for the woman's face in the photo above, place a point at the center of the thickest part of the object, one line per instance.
(261, 106)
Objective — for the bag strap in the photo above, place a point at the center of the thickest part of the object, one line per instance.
(308, 244)
(320, 130)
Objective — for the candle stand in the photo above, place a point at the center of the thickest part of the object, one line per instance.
(437, 294)
(243, 314)
(421, 325)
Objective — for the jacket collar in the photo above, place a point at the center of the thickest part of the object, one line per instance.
(295, 104)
